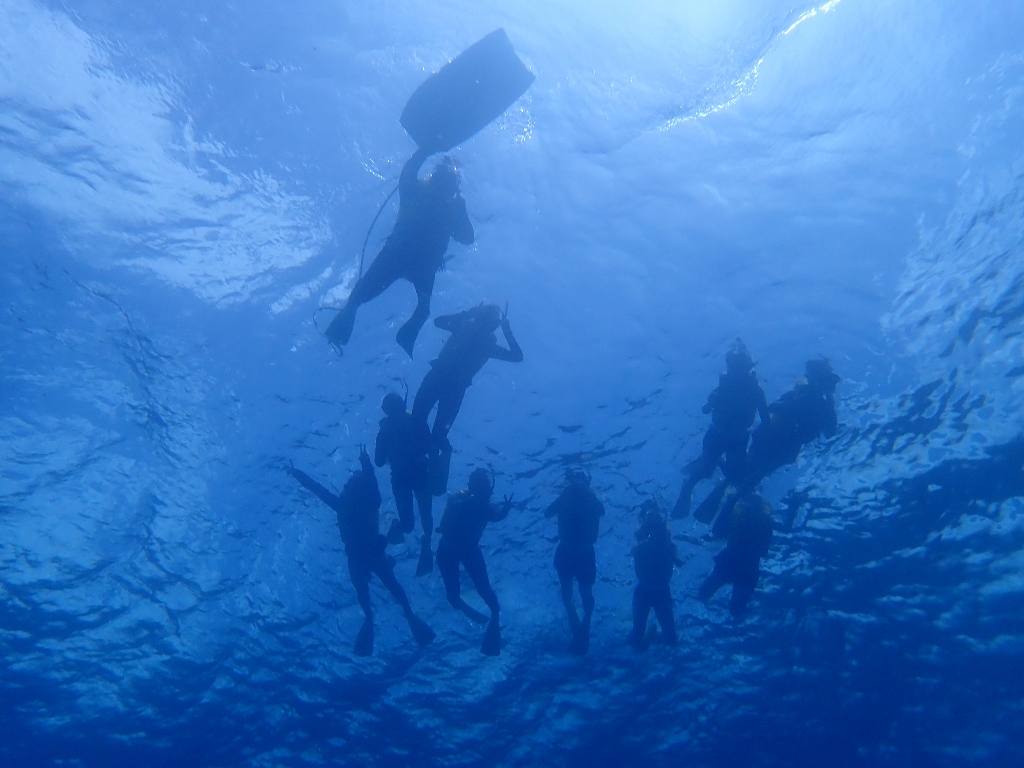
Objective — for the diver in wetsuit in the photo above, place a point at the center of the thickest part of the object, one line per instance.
(467, 514)
(358, 507)
(799, 417)
(579, 515)
(732, 405)
(430, 213)
(653, 558)
(404, 442)
(750, 535)
(471, 344)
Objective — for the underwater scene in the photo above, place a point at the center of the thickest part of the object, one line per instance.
(511, 384)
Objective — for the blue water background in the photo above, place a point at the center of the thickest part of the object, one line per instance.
(183, 185)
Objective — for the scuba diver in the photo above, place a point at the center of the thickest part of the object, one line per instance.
(653, 558)
(750, 535)
(429, 214)
(403, 441)
(799, 417)
(471, 344)
(732, 406)
(579, 515)
(358, 507)
(467, 514)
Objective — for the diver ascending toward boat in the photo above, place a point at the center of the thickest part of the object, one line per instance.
(448, 108)
(430, 213)
(358, 508)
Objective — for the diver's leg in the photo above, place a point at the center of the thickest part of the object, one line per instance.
(360, 571)
(377, 279)
(406, 337)
(473, 560)
(666, 617)
(714, 582)
(424, 501)
(565, 585)
(427, 395)
(699, 469)
(403, 492)
(641, 609)
(448, 565)
(448, 406)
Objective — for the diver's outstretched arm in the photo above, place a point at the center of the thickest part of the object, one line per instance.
(514, 354)
(500, 513)
(328, 498)
(410, 171)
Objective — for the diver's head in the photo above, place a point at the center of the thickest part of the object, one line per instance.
(737, 359)
(488, 316)
(480, 483)
(820, 376)
(649, 519)
(577, 478)
(445, 177)
(392, 404)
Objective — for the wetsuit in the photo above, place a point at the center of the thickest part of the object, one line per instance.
(653, 558)
(428, 217)
(800, 416)
(732, 405)
(403, 441)
(463, 524)
(471, 344)
(579, 515)
(739, 563)
(358, 510)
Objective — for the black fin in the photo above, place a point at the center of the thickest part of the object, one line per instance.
(491, 645)
(364, 640)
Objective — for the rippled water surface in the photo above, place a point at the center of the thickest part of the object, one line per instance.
(182, 187)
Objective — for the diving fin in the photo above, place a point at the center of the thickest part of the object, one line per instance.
(364, 640)
(426, 563)
(491, 645)
(473, 613)
(466, 94)
(709, 507)
(424, 635)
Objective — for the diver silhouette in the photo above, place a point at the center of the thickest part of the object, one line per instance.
(800, 416)
(430, 213)
(653, 559)
(471, 344)
(358, 508)
(467, 514)
(749, 537)
(404, 442)
(579, 515)
(732, 405)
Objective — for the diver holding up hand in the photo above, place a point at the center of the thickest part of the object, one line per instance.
(430, 213)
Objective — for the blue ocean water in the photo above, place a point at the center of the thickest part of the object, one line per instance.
(183, 186)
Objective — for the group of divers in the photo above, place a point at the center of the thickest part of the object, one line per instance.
(431, 212)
